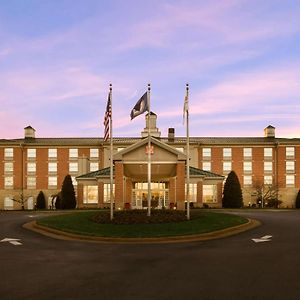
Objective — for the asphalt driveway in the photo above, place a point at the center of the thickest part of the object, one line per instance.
(39, 267)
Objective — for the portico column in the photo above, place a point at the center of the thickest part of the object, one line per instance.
(79, 195)
(199, 194)
(219, 193)
(180, 185)
(119, 175)
(100, 194)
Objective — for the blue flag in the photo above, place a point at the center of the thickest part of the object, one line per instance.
(140, 107)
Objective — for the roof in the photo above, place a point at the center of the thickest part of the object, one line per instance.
(206, 174)
(95, 174)
(106, 173)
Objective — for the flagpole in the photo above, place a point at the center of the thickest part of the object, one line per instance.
(149, 155)
(187, 155)
(111, 158)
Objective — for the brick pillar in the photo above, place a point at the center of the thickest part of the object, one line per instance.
(180, 185)
(199, 194)
(128, 191)
(219, 193)
(80, 195)
(172, 191)
(100, 194)
(119, 185)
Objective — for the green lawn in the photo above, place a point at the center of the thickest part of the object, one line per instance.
(81, 223)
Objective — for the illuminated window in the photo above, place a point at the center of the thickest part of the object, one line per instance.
(94, 166)
(226, 152)
(90, 194)
(226, 166)
(290, 180)
(52, 153)
(268, 166)
(8, 203)
(290, 166)
(8, 181)
(247, 180)
(52, 167)
(209, 193)
(74, 181)
(106, 192)
(247, 166)
(268, 152)
(52, 181)
(268, 179)
(8, 152)
(206, 166)
(73, 153)
(192, 192)
(31, 153)
(206, 152)
(247, 152)
(290, 152)
(31, 182)
(31, 167)
(8, 167)
(94, 153)
(73, 167)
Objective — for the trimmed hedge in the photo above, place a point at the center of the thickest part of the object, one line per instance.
(138, 216)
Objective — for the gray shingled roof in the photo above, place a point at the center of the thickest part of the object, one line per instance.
(102, 172)
(206, 174)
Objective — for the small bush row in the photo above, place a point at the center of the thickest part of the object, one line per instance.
(137, 216)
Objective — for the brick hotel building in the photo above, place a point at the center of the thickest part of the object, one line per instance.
(29, 165)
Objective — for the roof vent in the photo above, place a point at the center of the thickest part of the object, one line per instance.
(269, 131)
(29, 132)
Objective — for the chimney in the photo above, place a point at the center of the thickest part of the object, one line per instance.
(269, 131)
(83, 165)
(29, 132)
(171, 135)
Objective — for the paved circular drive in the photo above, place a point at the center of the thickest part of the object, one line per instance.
(262, 263)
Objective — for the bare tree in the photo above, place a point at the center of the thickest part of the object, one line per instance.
(21, 199)
(267, 195)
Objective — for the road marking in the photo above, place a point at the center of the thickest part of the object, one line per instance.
(12, 241)
(265, 238)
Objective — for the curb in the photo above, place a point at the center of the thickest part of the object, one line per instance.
(62, 235)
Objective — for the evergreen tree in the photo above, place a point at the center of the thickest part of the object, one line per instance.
(298, 200)
(68, 198)
(232, 193)
(41, 201)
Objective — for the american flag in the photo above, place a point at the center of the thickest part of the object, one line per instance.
(107, 117)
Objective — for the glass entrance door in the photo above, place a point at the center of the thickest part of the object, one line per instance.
(159, 195)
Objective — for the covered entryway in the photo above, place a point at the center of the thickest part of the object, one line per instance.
(159, 194)
(168, 180)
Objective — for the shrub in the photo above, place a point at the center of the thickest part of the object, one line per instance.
(68, 198)
(298, 200)
(138, 216)
(232, 193)
(41, 201)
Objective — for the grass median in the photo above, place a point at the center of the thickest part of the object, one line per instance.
(82, 223)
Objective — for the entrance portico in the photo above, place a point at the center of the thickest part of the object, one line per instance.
(168, 168)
